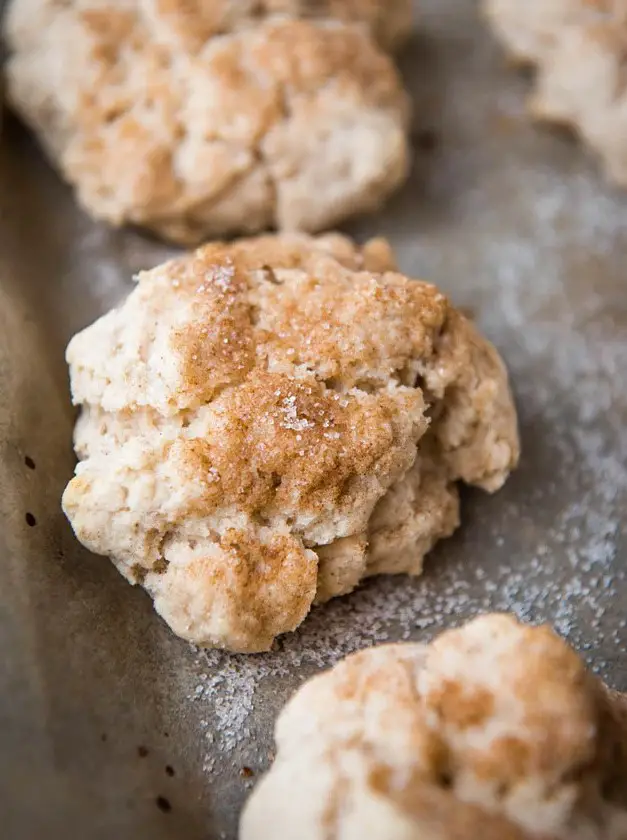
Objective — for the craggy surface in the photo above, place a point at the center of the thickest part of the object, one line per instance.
(493, 730)
(267, 422)
(98, 697)
(255, 129)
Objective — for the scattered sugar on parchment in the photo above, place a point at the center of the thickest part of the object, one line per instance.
(225, 684)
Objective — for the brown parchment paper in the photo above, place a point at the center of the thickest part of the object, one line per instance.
(112, 728)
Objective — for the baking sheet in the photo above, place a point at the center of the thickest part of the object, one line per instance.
(110, 726)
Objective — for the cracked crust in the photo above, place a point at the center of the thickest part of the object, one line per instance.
(579, 48)
(495, 730)
(191, 23)
(280, 397)
(255, 127)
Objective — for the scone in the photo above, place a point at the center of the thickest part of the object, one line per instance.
(578, 48)
(495, 731)
(187, 119)
(268, 422)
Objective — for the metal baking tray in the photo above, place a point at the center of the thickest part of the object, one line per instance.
(110, 727)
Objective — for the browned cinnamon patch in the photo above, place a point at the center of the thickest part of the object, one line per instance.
(459, 705)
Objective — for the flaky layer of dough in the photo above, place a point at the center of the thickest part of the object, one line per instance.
(268, 422)
(188, 119)
(492, 731)
(578, 47)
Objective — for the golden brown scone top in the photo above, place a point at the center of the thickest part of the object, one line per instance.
(246, 129)
(194, 22)
(578, 48)
(494, 730)
(247, 410)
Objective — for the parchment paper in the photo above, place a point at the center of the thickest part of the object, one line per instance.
(112, 728)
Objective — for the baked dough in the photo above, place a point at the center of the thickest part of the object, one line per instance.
(494, 731)
(187, 119)
(268, 422)
(192, 23)
(578, 47)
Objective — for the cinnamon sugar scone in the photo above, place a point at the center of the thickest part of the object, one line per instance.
(266, 423)
(493, 731)
(200, 119)
(579, 49)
